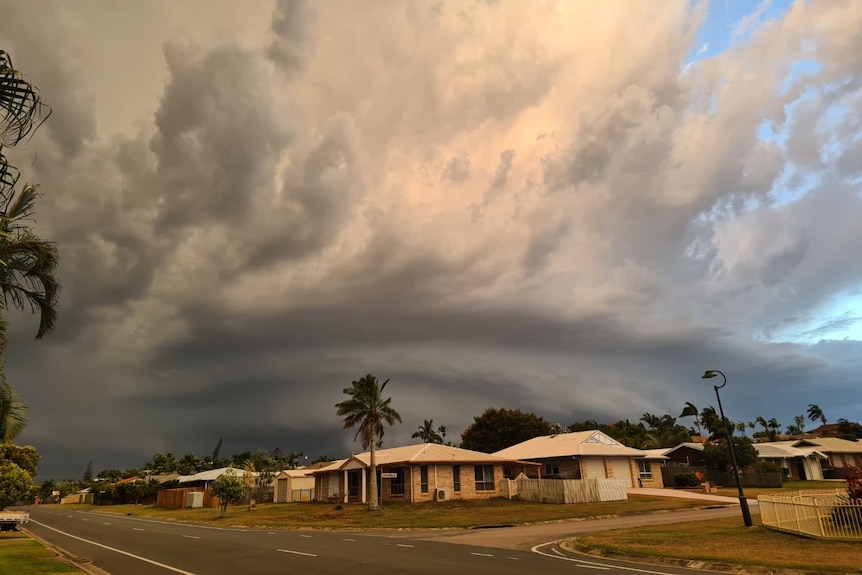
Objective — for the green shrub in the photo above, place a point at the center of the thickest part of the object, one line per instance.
(685, 480)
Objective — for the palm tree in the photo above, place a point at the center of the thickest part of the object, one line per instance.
(13, 413)
(759, 420)
(799, 421)
(427, 433)
(774, 426)
(690, 410)
(28, 264)
(815, 413)
(21, 112)
(367, 408)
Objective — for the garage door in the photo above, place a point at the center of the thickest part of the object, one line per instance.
(622, 471)
(594, 467)
(282, 491)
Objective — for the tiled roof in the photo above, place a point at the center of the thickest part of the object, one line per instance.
(423, 453)
(583, 443)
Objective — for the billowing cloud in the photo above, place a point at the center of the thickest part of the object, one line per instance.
(534, 205)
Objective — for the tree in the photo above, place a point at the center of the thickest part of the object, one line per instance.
(717, 455)
(690, 410)
(29, 263)
(229, 490)
(428, 434)
(13, 413)
(24, 456)
(773, 426)
(849, 430)
(369, 410)
(88, 473)
(815, 413)
(15, 484)
(497, 429)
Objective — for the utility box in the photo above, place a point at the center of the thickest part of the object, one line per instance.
(195, 499)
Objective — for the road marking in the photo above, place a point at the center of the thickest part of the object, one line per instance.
(85, 519)
(137, 529)
(106, 523)
(481, 554)
(270, 532)
(402, 545)
(348, 539)
(306, 536)
(70, 516)
(115, 550)
(297, 552)
(512, 558)
(582, 563)
(191, 536)
(594, 567)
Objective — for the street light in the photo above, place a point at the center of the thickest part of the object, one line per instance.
(743, 503)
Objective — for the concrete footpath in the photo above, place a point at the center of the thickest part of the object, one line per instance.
(685, 494)
(524, 537)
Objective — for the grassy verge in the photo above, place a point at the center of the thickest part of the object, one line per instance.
(402, 516)
(728, 541)
(24, 556)
(753, 492)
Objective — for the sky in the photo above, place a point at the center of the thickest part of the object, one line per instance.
(571, 208)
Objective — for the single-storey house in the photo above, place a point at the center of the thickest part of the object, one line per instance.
(587, 454)
(293, 485)
(415, 473)
(684, 454)
(204, 478)
(812, 458)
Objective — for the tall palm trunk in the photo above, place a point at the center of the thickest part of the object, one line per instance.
(372, 481)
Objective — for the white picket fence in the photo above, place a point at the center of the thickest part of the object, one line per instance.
(565, 490)
(824, 514)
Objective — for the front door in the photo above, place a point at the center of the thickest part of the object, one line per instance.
(800, 469)
(354, 480)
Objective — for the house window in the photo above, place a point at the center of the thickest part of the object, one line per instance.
(456, 478)
(644, 469)
(484, 477)
(423, 478)
(551, 469)
(396, 484)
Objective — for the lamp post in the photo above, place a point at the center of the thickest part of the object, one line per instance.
(743, 503)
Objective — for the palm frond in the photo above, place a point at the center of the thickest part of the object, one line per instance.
(21, 107)
(13, 413)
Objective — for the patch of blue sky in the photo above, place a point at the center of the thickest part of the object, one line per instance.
(840, 320)
(730, 21)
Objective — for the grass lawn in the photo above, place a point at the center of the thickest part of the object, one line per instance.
(728, 541)
(401, 515)
(20, 555)
(753, 492)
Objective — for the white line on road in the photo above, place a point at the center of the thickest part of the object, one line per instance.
(297, 552)
(270, 532)
(307, 536)
(481, 554)
(594, 567)
(85, 519)
(348, 539)
(106, 523)
(115, 550)
(512, 558)
(402, 545)
(136, 529)
(191, 536)
(537, 549)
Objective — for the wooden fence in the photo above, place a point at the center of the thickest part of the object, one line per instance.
(824, 514)
(565, 490)
(176, 498)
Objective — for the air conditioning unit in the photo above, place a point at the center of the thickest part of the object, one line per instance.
(442, 495)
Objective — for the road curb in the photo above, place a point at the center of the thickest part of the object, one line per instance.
(84, 565)
(735, 568)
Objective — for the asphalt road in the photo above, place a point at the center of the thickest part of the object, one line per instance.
(130, 546)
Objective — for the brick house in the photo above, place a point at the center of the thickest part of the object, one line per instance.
(587, 454)
(415, 473)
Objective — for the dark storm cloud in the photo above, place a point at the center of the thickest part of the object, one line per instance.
(272, 224)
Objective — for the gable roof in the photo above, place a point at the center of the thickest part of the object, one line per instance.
(786, 449)
(688, 444)
(212, 474)
(583, 443)
(421, 454)
(803, 447)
